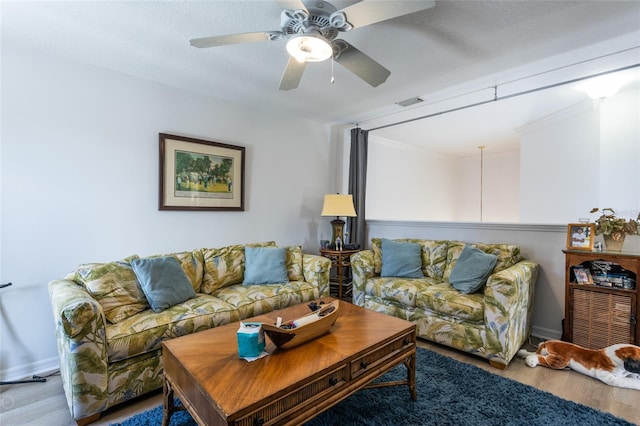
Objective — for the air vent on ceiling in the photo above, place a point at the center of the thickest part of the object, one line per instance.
(410, 101)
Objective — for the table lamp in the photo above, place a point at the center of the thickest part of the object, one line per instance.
(338, 205)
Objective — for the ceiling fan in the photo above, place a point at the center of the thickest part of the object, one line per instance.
(311, 28)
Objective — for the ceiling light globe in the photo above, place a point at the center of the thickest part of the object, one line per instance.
(309, 48)
(605, 86)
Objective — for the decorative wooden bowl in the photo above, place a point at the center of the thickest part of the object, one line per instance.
(309, 327)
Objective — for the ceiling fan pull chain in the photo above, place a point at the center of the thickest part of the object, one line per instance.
(332, 61)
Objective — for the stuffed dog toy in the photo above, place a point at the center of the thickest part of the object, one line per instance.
(616, 365)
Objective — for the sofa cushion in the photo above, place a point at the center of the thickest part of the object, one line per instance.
(434, 258)
(434, 255)
(225, 266)
(399, 290)
(508, 255)
(115, 286)
(145, 331)
(251, 300)
(192, 262)
(472, 270)
(443, 299)
(294, 263)
(401, 259)
(265, 265)
(163, 281)
(376, 247)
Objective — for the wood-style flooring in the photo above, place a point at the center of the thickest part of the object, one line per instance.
(45, 403)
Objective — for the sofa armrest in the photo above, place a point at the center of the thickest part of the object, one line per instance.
(509, 309)
(73, 308)
(82, 346)
(361, 269)
(316, 270)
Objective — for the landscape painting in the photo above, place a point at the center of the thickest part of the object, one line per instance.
(200, 175)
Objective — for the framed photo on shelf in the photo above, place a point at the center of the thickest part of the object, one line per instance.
(580, 236)
(583, 276)
(200, 175)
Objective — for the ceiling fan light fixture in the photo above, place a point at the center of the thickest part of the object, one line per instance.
(309, 48)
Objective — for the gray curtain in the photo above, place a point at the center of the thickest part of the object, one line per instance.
(356, 226)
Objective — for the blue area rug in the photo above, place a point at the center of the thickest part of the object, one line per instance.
(449, 393)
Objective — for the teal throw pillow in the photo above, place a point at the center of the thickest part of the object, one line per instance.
(472, 269)
(163, 281)
(265, 265)
(401, 259)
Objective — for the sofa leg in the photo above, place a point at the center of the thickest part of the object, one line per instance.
(86, 420)
(497, 365)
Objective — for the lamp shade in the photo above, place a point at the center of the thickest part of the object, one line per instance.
(338, 205)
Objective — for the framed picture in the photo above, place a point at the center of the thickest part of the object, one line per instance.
(583, 276)
(200, 175)
(580, 236)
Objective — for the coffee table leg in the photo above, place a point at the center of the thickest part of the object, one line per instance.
(167, 405)
(410, 363)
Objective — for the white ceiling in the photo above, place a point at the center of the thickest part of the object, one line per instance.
(447, 45)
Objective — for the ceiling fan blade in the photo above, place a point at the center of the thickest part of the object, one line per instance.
(234, 39)
(292, 74)
(370, 12)
(360, 64)
(292, 4)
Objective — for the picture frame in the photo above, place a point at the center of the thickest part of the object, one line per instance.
(583, 275)
(197, 174)
(580, 236)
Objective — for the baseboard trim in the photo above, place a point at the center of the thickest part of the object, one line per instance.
(546, 333)
(27, 370)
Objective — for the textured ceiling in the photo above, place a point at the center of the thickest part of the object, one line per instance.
(449, 44)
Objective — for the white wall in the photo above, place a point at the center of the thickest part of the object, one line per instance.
(405, 182)
(79, 174)
(620, 153)
(582, 157)
(500, 188)
(559, 167)
(409, 183)
(586, 157)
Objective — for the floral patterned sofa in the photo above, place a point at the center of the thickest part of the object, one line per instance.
(109, 339)
(492, 322)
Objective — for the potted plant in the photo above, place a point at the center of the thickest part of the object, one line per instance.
(613, 228)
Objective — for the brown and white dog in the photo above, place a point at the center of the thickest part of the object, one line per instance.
(616, 365)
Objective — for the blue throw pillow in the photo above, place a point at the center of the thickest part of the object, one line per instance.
(401, 259)
(472, 269)
(265, 265)
(163, 281)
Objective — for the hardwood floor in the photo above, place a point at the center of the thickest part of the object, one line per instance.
(45, 403)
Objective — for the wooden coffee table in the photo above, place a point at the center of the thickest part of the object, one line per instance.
(288, 386)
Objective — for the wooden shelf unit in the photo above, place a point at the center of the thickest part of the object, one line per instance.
(598, 316)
